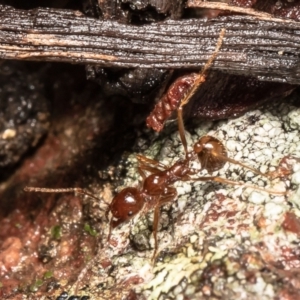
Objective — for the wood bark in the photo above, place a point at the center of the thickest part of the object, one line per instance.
(266, 48)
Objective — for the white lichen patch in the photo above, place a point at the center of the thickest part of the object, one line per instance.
(258, 197)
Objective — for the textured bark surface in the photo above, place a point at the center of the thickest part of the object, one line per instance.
(266, 49)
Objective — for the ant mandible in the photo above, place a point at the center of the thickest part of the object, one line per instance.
(157, 189)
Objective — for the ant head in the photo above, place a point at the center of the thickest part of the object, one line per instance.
(125, 205)
(211, 153)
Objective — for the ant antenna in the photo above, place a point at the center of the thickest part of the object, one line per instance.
(199, 80)
(237, 183)
(62, 190)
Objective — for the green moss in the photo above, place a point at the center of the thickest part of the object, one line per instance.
(35, 286)
(90, 230)
(56, 232)
(48, 274)
(18, 225)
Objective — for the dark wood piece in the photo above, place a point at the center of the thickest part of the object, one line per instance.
(266, 49)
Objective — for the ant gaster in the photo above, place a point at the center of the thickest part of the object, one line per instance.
(157, 188)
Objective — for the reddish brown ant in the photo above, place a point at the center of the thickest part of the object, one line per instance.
(157, 188)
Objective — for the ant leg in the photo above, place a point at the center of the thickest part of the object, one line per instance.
(199, 80)
(201, 76)
(181, 130)
(109, 232)
(143, 160)
(150, 169)
(171, 195)
(256, 171)
(231, 182)
(142, 173)
(150, 165)
(155, 227)
(62, 190)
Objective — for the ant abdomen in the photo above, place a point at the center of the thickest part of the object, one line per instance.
(211, 153)
(170, 101)
(125, 205)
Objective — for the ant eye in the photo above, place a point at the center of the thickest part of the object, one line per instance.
(130, 213)
(198, 147)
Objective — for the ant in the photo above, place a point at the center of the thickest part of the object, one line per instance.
(157, 188)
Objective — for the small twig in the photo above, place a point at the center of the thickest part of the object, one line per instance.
(237, 9)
